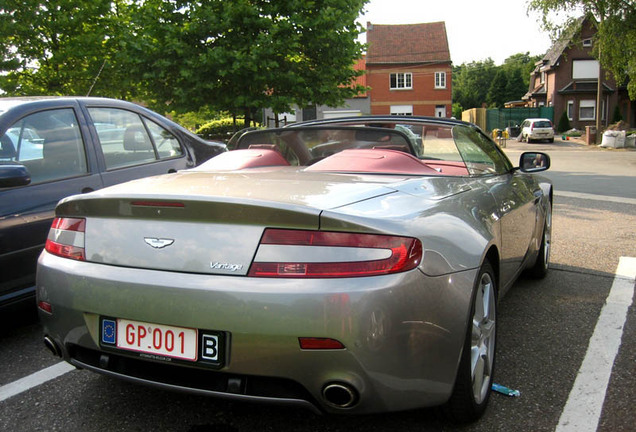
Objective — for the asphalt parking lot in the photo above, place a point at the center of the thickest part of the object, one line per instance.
(546, 329)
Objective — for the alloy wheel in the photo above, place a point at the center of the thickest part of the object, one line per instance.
(482, 347)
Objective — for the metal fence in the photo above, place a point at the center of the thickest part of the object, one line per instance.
(507, 117)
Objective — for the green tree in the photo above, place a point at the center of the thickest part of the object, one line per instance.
(471, 82)
(480, 82)
(60, 47)
(518, 68)
(524, 62)
(615, 44)
(497, 91)
(180, 55)
(246, 54)
(516, 87)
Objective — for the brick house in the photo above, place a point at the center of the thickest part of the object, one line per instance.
(409, 69)
(567, 79)
(408, 72)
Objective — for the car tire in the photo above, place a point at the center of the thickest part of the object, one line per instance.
(551, 140)
(473, 384)
(540, 268)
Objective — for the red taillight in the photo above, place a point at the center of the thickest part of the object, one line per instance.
(320, 254)
(309, 343)
(45, 306)
(66, 238)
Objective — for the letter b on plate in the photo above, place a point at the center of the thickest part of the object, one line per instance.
(210, 347)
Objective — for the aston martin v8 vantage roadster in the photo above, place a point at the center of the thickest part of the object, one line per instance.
(344, 267)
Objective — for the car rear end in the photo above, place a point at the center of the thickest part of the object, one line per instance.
(541, 129)
(247, 299)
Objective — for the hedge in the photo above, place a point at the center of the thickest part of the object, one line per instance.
(221, 129)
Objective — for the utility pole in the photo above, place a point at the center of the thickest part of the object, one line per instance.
(599, 92)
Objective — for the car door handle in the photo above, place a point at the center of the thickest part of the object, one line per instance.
(87, 190)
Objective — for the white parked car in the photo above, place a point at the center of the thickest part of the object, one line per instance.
(536, 129)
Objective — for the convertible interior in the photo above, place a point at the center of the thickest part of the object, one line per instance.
(347, 149)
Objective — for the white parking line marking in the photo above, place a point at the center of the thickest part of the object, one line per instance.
(34, 380)
(582, 411)
(620, 200)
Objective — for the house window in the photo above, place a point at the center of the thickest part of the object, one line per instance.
(402, 80)
(587, 110)
(585, 69)
(571, 110)
(404, 110)
(440, 80)
(587, 43)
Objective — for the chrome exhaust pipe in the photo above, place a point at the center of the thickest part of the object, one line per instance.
(340, 395)
(52, 346)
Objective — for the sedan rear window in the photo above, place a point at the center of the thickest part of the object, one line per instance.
(542, 124)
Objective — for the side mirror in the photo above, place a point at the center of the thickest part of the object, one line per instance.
(12, 175)
(532, 162)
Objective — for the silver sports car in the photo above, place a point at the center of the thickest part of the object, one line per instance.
(347, 267)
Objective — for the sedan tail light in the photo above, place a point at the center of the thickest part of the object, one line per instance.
(322, 254)
(66, 238)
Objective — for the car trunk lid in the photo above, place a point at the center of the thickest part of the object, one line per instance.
(204, 222)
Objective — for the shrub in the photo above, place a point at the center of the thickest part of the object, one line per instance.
(192, 120)
(221, 129)
(457, 110)
(564, 123)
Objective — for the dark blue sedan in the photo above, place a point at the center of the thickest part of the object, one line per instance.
(54, 147)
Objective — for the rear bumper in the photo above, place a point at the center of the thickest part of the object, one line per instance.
(541, 135)
(403, 333)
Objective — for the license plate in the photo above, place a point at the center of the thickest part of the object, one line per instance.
(158, 339)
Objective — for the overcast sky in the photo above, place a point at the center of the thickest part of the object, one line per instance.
(476, 29)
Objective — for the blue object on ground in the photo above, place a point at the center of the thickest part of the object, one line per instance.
(505, 390)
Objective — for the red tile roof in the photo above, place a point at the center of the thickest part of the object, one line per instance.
(407, 43)
(362, 79)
